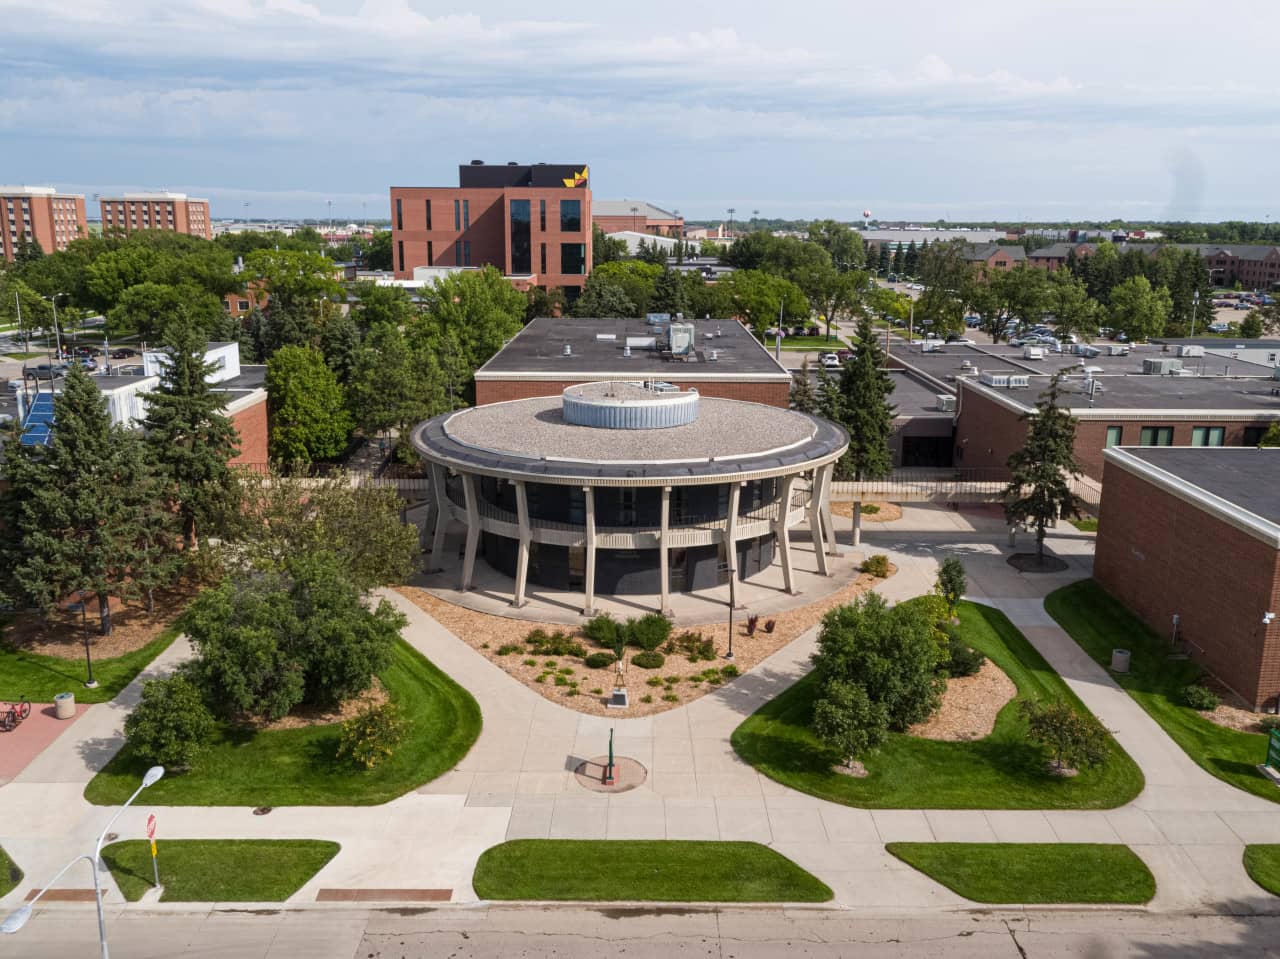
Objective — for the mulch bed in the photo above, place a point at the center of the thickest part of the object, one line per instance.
(486, 633)
(969, 706)
(61, 634)
(888, 512)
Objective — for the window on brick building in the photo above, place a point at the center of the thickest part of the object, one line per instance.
(570, 217)
(457, 215)
(1115, 435)
(573, 258)
(1208, 435)
(428, 214)
(466, 252)
(1156, 436)
(400, 254)
(431, 253)
(1253, 435)
(542, 258)
(399, 217)
(542, 218)
(466, 214)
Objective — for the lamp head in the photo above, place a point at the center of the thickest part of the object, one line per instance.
(16, 919)
(153, 776)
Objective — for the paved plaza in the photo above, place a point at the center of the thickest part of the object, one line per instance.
(518, 781)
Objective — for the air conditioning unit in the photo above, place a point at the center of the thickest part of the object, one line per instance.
(1188, 349)
(931, 346)
(1019, 381)
(1117, 349)
(1090, 351)
(1159, 366)
(1032, 353)
(989, 378)
(1275, 372)
(946, 403)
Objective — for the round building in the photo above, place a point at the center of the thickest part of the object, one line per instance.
(630, 488)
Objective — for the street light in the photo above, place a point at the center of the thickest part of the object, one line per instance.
(731, 213)
(1195, 301)
(53, 301)
(84, 631)
(18, 918)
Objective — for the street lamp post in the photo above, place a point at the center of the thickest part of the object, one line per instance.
(1195, 302)
(57, 337)
(732, 211)
(84, 632)
(18, 918)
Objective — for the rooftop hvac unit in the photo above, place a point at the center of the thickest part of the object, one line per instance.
(568, 350)
(1275, 372)
(642, 342)
(713, 356)
(1117, 349)
(931, 346)
(1032, 353)
(1091, 352)
(626, 351)
(1019, 381)
(989, 378)
(661, 386)
(966, 365)
(1078, 349)
(1159, 366)
(1190, 349)
(606, 336)
(655, 319)
(681, 339)
(946, 403)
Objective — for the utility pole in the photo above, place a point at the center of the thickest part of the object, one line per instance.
(1195, 301)
(731, 212)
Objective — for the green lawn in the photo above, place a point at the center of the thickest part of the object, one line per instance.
(655, 870)
(218, 870)
(1032, 873)
(1100, 624)
(24, 356)
(1262, 863)
(810, 342)
(296, 767)
(39, 678)
(10, 874)
(1002, 771)
(1087, 525)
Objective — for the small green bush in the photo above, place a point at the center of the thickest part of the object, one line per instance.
(599, 660)
(1268, 723)
(171, 724)
(715, 679)
(597, 692)
(565, 671)
(653, 681)
(557, 644)
(372, 735)
(671, 698)
(561, 680)
(870, 509)
(536, 637)
(646, 699)
(649, 659)
(542, 677)
(730, 671)
(696, 680)
(877, 565)
(963, 660)
(1198, 697)
(602, 630)
(508, 648)
(694, 645)
(649, 631)
(531, 662)
(550, 664)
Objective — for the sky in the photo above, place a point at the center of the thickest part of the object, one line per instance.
(1012, 110)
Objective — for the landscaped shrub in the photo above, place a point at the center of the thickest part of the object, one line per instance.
(557, 644)
(1073, 740)
(561, 680)
(964, 660)
(537, 637)
(599, 660)
(1268, 723)
(877, 565)
(869, 509)
(670, 698)
(653, 681)
(649, 659)
(1198, 697)
(951, 583)
(602, 630)
(372, 735)
(171, 724)
(646, 699)
(507, 649)
(847, 721)
(769, 625)
(694, 645)
(729, 671)
(649, 631)
(752, 621)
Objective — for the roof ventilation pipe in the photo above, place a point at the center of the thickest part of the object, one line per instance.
(568, 349)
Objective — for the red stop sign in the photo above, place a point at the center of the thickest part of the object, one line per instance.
(151, 827)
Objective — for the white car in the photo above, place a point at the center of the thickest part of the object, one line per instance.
(830, 361)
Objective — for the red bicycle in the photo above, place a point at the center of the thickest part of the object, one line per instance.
(16, 713)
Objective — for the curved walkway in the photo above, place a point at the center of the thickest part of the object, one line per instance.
(517, 780)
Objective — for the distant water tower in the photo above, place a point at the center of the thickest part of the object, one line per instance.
(866, 218)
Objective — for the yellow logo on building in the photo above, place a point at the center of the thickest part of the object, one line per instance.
(578, 179)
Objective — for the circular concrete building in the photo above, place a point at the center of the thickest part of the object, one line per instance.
(629, 488)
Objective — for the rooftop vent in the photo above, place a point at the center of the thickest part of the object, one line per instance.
(990, 378)
(1159, 366)
(626, 351)
(713, 356)
(946, 403)
(477, 163)
(1190, 349)
(1019, 381)
(568, 349)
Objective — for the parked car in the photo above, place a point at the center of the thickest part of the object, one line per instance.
(15, 386)
(44, 371)
(87, 363)
(973, 322)
(123, 353)
(958, 339)
(830, 361)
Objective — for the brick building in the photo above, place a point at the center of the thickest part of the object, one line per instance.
(1193, 536)
(42, 214)
(992, 257)
(175, 212)
(531, 222)
(723, 360)
(1253, 266)
(636, 216)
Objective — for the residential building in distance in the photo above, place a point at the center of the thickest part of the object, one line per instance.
(42, 214)
(175, 212)
(717, 358)
(636, 216)
(1254, 266)
(531, 222)
(994, 257)
(1189, 540)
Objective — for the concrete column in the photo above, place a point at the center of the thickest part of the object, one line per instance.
(664, 559)
(439, 476)
(473, 528)
(828, 524)
(526, 535)
(588, 606)
(857, 522)
(731, 538)
(782, 535)
(815, 522)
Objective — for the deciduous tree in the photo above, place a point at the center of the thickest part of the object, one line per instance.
(309, 416)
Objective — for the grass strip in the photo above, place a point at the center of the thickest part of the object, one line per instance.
(40, 678)
(218, 870)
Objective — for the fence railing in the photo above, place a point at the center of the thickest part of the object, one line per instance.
(978, 485)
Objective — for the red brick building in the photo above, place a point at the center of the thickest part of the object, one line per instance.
(531, 222)
(992, 257)
(636, 216)
(42, 214)
(723, 360)
(1194, 535)
(175, 212)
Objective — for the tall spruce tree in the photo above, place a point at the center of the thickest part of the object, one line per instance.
(190, 438)
(80, 505)
(1039, 491)
(864, 409)
(803, 396)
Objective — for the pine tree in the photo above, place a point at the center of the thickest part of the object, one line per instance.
(1038, 490)
(668, 293)
(911, 261)
(190, 438)
(865, 388)
(803, 396)
(885, 259)
(899, 258)
(79, 505)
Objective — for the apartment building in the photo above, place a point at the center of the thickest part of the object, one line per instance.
(175, 212)
(42, 214)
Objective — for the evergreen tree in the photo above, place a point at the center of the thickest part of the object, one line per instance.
(830, 402)
(668, 293)
(190, 437)
(899, 259)
(1039, 491)
(27, 250)
(803, 396)
(911, 261)
(885, 259)
(339, 343)
(79, 506)
(865, 387)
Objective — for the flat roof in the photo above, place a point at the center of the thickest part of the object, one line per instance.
(1235, 484)
(1249, 396)
(252, 376)
(949, 360)
(537, 352)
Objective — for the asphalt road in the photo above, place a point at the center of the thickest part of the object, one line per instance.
(642, 933)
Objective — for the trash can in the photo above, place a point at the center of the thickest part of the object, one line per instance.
(1119, 660)
(64, 705)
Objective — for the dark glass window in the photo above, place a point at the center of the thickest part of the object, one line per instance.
(1156, 436)
(521, 245)
(400, 253)
(466, 252)
(431, 254)
(428, 214)
(466, 214)
(573, 258)
(1114, 435)
(457, 253)
(457, 215)
(1253, 435)
(542, 216)
(399, 215)
(1208, 436)
(570, 216)
(543, 258)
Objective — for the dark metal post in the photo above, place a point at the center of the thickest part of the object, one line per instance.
(84, 632)
(608, 770)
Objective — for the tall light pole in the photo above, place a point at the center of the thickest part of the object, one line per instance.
(1195, 301)
(18, 918)
(731, 213)
(53, 301)
(634, 211)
